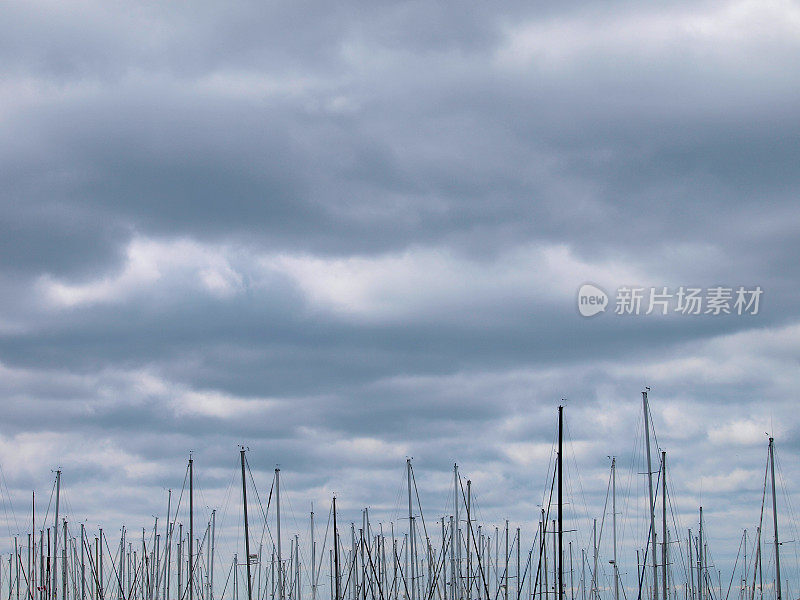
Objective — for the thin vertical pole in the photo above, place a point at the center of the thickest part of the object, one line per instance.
(41, 564)
(555, 561)
(167, 546)
(646, 410)
(505, 575)
(583, 572)
(691, 566)
(545, 567)
(594, 570)
(121, 576)
(32, 571)
(179, 566)
(469, 539)
(260, 569)
(760, 571)
(278, 511)
(560, 556)
(313, 558)
(100, 566)
(664, 525)
(744, 579)
(213, 539)
(700, 575)
(411, 536)
(55, 536)
(297, 594)
(246, 529)
(83, 562)
(16, 564)
(453, 594)
(191, 528)
(775, 519)
(336, 549)
(614, 523)
(571, 579)
(63, 566)
(30, 575)
(519, 575)
(456, 541)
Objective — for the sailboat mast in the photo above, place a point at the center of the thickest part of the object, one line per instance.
(32, 572)
(313, 558)
(775, 518)
(55, 536)
(614, 523)
(594, 591)
(411, 528)
(700, 573)
(83, 562)
(456, 537)
(560, 557)
(646, 410)
(664, 525)
(278, 511)
(211, 568)
(191, 525)
(246, 529)
(469, 538)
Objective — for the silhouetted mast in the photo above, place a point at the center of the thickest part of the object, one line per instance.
(646, 410)
(411, 533)
(336, 550)
(614, 523)
(560, 455)
(278, 511)
(246, 529)
(664, 525)
(55, 536)
(775, 518)
(191, 526)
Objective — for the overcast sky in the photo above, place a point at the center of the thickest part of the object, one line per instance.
(344, 233)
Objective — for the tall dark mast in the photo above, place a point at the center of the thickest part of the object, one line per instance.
(664, 525)
(560, 503)
(55, 536)
(246, 530)
(652, 534)
(191, 525)
(336, 549)
(775, 518)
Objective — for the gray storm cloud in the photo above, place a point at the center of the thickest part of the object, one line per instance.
(347, 233)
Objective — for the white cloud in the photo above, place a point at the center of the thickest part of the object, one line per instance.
(427, 280)
(149, 263)
(215, 404)
(732, 481)
(739, 27)
(742, 432)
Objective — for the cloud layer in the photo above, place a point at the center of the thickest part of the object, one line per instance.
(347, 233)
